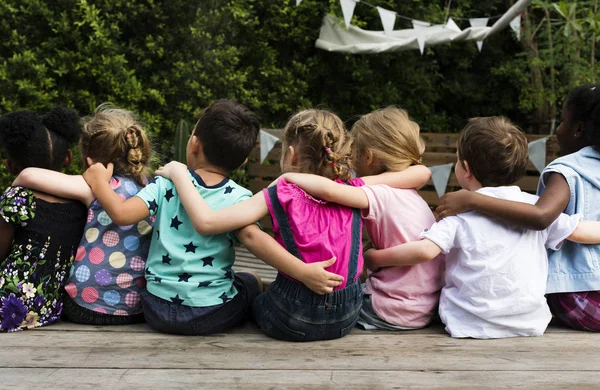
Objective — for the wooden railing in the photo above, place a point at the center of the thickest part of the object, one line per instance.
(440, 149)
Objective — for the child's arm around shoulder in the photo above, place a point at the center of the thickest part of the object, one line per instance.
(313, 275)
(415, 176)
(536, 217)
(204, 219)
(56, 183)
(323, 188)
(121, 211)
(410, 253)
(586, 232)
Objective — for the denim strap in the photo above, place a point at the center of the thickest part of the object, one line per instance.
(284, 224)
(355, 249)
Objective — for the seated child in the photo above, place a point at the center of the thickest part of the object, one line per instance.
(495, 272)
(191, 288)
(39, 233)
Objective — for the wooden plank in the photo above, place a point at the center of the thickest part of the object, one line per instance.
(364, 350)
(323, 378)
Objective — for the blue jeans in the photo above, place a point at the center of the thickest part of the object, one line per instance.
(290, 311)
(168, 317)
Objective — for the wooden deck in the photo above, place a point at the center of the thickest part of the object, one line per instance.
(68, 356)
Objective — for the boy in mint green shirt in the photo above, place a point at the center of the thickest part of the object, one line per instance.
(191, 288)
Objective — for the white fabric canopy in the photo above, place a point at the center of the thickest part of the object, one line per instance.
(334, 36)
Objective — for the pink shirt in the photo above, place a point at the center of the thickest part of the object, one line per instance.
(405, 296)
(319, 229)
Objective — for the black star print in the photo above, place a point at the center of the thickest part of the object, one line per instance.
(176, 300)
(228, 274)
(169, 194)
(157, 234)
(190, 247)
(204, 284)
(152, 205)
(148, 272)
(175, 222)
(228, 190)
(167, 259)
(208, 261)
(157, 279)
(153, 180)
(224, 297)
(184, 277)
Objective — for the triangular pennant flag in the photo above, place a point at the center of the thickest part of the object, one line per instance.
(451, 25)
(298, 2)
(348, 10)
(419, 28)
(440, 174)
(515, 24)
(479, 22)
(267, 142)
(537, 153)
(388, 19)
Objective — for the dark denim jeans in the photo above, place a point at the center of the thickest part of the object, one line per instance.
(290, 311)
(168, 317)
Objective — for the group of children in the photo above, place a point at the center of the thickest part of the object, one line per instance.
(161, 249)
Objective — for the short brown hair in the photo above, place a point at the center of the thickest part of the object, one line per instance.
(495, 149)
(321, 141)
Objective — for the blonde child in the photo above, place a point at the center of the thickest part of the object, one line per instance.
(107, 276)
(386, 141)
(495, 273)
(39, 232)
(191, 288)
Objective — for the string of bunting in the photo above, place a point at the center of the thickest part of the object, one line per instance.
(388, 20)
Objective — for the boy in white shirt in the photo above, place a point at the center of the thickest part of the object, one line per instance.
(495, 272)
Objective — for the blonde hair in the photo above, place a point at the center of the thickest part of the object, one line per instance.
(322, 143)
(391, 136)
(115, 135)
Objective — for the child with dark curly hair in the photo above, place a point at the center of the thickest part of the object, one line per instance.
(39, 233)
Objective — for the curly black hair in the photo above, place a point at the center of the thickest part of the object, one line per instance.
(33, 140)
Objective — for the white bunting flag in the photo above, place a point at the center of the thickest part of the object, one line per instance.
(537, 153)
(348, 10)
(420, 28)
(479, 22)
(298, 2)
(451, 25)
(388, 19)
(267, 142)
(440, 174)
(515, 24)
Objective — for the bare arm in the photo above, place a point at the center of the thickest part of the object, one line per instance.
(56, 183)
(7, 233)
(268, 250)
(587, 232)
(415, 176)
(537, 217)
(204, 219)
(122, 212)
(323, 188)
(411, 253)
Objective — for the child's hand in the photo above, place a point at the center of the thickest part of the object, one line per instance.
(318, 280)
(171, 169)
(454, 203)
(97, 173)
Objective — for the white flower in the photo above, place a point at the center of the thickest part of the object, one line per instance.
(28, 289)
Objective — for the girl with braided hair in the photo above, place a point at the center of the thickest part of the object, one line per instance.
(107, 275)
(570, 185)
(39, 232)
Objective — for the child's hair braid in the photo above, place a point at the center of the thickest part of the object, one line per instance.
(114, 135)
(321, 142)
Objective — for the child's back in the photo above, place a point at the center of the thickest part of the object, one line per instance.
(496, 273)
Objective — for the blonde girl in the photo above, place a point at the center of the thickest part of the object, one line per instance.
(107, 275)
(387, 144)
